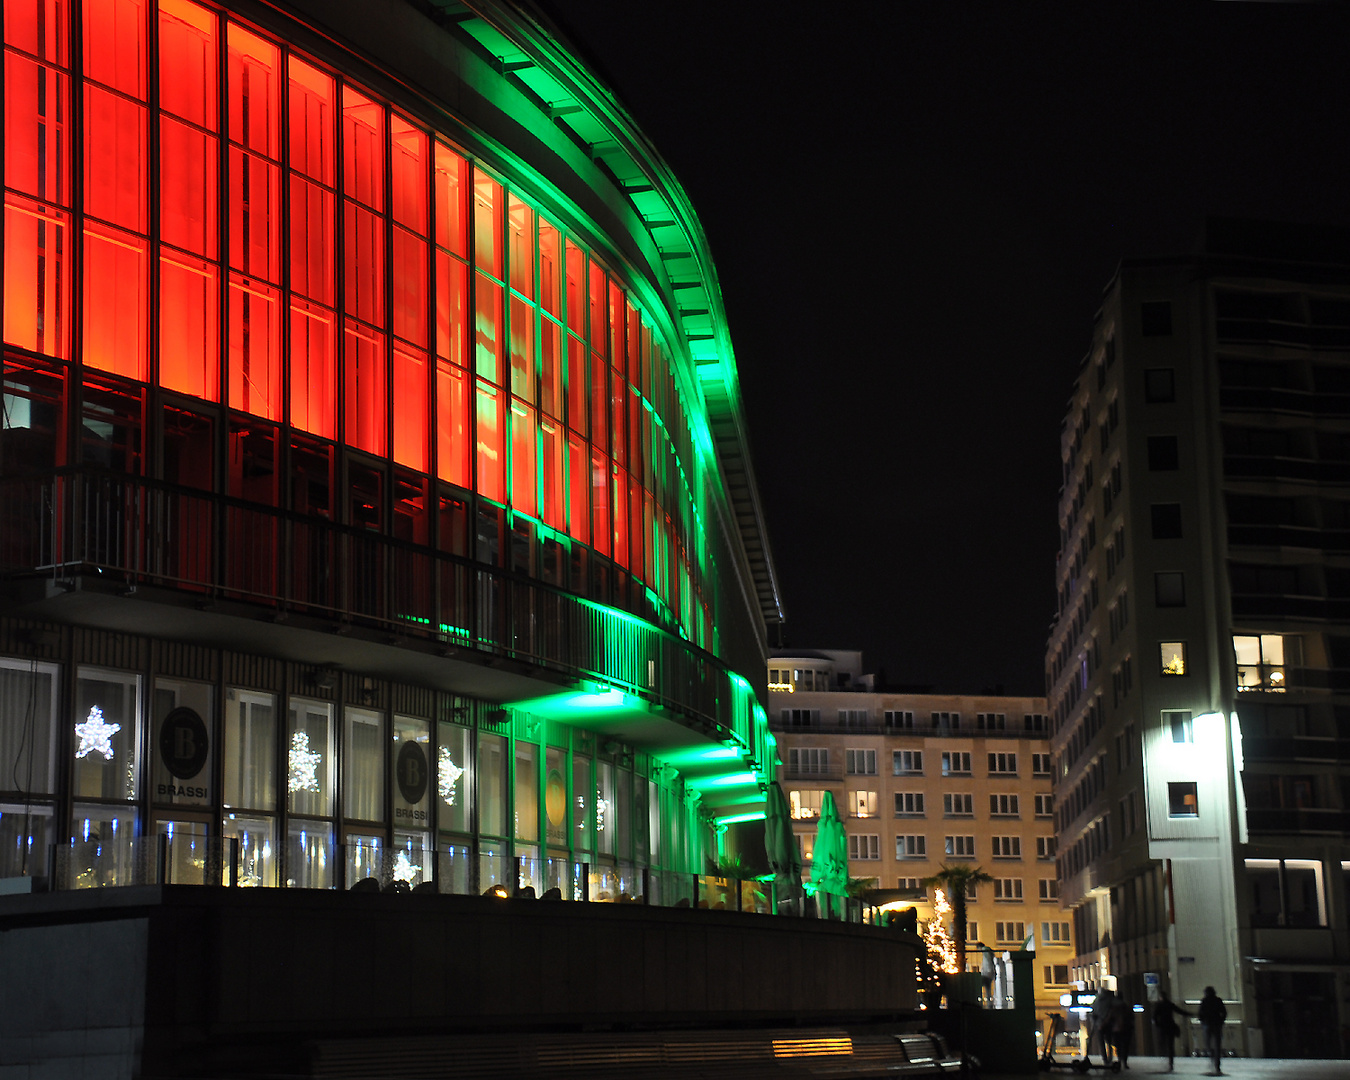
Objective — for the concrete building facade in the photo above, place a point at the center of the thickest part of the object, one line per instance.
(923, 780)
(1196, 666)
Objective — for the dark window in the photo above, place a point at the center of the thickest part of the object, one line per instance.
(1169, 589)
(1182, 800)
(189, 449)
(1167, 521)
(1159, 385)
(1162, 453)
(1155, 318)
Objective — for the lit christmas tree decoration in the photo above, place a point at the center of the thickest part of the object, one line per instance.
(304, 764)
(941, 948)
(447, 775)
(404, 870)
(96, 735)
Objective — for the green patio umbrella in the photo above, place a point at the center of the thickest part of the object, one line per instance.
(785, 860)
(829, 867)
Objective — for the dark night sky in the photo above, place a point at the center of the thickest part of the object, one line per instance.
(914, 208)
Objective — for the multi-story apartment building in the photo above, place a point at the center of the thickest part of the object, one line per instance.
(1197, 668)
(927, 779)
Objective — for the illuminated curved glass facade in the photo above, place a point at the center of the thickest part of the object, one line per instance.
(289, 339)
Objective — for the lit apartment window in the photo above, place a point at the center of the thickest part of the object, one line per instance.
(864, 847)
(1172, 657)
(1003, 805)
(1045, 805)
(960, 847)
(1049, 889)
(955, 763)
(911, 847)
(805, 804)
(1261, 660)
(909, 804)
(1007, 847)
(958, 805)
(862, 803)
(906, 762)
(1002, 764)
(860, 762)
(1008, 890)
(1182, 799)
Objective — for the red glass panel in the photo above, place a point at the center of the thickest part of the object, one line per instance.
(39, 27)
(600, 503)
(522, 349)
(362, 149)
(363, 389)
(37, 146)
(577, 409)
(618, 417)
(116, 301)
(637, 423)
(487, 224)
(408, 150)
(255, 347)
(187, 188)
(524, 428)
(553, 511)
(617, 339)
(599, 324)
(550, 269)
(408, 284)
(452, 424)
(187, 62)
(115, 44)
(312, 273)
(599, 395)
(410, 408)
(491, 448)
(452, 186)
(364, 266)
(620, 517)
(650, 544)
(312, 106)
(411, 520)
(254, 77)
(635, 545)
(189, 325)
(576, 289)
(452, 298)
(254, 215)
(37, 277)
(313, 368)
(488, 329)
(114, 159)
(578, 490)
(520, 220)
(551, 368)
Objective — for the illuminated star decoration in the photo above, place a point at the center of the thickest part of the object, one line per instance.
(304, 764)
(448, 774)
(404, 870)
(96, 735)
(601, 808)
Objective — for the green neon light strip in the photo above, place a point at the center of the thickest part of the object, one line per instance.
(737, 818)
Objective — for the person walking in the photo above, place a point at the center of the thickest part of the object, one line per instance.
(1165, 1029)
(1101, 1023)
(1122, 1030)
(1212, 1014)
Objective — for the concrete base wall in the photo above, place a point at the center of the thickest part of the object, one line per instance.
(162, 980)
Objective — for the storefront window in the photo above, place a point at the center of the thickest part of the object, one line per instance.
(103, 848)
(309, 855)
(309, 756)
(492, 867)
(454, 783)
(622, 812)
(582, 798)
(492, 785)
(555, 795)
(250, 750)
(107, 734)
(604, 808)
(255, 851)
(181, 746)
(363, 765)
(527, 792)
(365, 857)
(25, 834)
(185, 853)
(27, 736)
(454, 869)
(412, 799)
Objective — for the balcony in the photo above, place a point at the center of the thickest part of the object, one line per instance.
(133, 555)
(1298, 820)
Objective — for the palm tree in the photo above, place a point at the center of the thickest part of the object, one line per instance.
(956, 880)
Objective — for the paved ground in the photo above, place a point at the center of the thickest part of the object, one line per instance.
(1237, 1068)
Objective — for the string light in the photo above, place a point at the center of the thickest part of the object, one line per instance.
(941, 948)
(447, 775)
(96, 735)
(304, 764)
